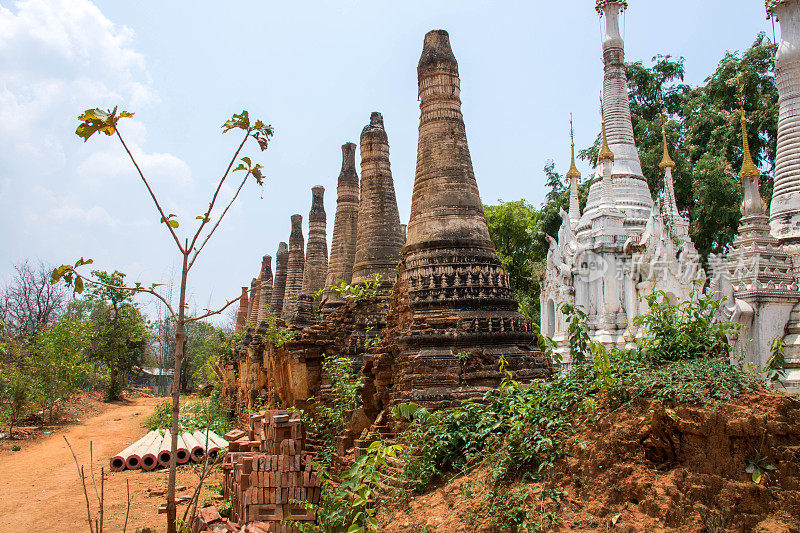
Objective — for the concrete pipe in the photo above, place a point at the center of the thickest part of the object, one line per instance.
(134, 459)
(182, 454)
(210, 446)
(196, 449)
(165, 450)
(219, 441)
(118, 461)
(150, 457)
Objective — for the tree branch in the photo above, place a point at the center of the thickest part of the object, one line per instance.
(152, 195)
(216, 225)
(133, 289)
(228, 304)
(207, 214)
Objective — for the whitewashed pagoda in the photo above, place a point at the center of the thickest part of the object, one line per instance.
(624, 245)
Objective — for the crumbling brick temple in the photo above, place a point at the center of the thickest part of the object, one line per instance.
(442, 320)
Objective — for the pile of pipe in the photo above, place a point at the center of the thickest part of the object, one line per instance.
(154, 449)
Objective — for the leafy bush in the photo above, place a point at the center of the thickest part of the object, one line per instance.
(349, 506)
(194, 416)
(367, 290)
(684, 330)
(327, 420)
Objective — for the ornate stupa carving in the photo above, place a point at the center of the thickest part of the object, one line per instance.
(678, 224)
(630, 189)
(573, 177)
(456, 316)
(279, 286)
(294, 270)
(265, 290)
(758, 277)
(622, 247)
(785, 204)
(345, 227)
(316, 263)
(378, 240)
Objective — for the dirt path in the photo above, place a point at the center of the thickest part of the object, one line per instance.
(40, 489)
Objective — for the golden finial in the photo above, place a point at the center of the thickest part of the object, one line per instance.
(605, 152)
(573, 171)
(749, 169)
(666, 161)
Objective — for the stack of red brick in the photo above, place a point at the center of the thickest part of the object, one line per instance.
(267, 471)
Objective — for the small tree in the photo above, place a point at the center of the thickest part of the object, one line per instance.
(189, 248)
(57, 362)
(120, 334)
(13, 393)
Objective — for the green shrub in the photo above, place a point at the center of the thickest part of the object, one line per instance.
(195, 415)
(521, 429)
(684, 330)
(349, 506)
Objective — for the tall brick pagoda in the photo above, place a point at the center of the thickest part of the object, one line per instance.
(456, 316)
(279, 285)
(379, 239)
(345, 227)
(295, 267)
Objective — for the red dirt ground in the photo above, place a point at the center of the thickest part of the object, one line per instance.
(647, 468)
(40, 489)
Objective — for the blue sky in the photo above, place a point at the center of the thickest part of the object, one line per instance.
(315, 71)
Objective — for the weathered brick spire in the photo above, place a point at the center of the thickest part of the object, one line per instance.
(241, 315)
(294, 269)
(451, 276)
(316, 265)
(252, 308)
(378, 240)
(279, 287)
(265, 298)
(345, 227)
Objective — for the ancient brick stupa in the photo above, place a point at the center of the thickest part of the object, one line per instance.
(279, 286)
(316, 263)
(295, 267)
(456, 315)
(379, 239)
(265, 289)
(241, 315)
(345, 226)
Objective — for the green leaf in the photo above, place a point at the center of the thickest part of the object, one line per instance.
(97, 120)
(756, 475)
(247, 160)
(78, 285)
(173, 223)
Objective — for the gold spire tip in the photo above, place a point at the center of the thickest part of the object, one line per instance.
(573, 171)
(749, 169)
(605, 152)
(666, 161)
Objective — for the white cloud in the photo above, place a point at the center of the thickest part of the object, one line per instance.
(113, 163)
(58, 57)
(66, 209)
